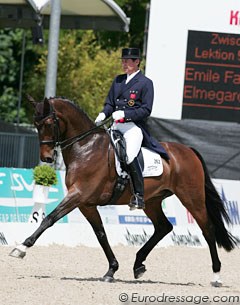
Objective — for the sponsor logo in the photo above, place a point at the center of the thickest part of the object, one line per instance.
(134, 219)
(136, 239)
(3, 240)
(232, 208)
(185, 239)
(140, 220)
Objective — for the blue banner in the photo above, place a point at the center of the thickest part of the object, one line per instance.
(16, 195)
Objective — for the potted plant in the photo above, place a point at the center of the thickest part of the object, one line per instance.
(44, 176)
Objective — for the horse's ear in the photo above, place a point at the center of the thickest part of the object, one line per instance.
(31, 100)
(46, 106)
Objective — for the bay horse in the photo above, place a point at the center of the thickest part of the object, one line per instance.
(91, 177)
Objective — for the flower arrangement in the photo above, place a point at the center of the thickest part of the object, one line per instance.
(44, 175)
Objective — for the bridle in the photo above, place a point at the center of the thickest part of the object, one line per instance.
(55, 141)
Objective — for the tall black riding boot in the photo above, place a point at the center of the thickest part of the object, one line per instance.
(135, 172)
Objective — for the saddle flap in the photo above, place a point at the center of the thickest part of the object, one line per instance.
(120, 148)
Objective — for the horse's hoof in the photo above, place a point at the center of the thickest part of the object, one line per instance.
(139, 272)
(216, 283)
(108, 279)
(17, 253)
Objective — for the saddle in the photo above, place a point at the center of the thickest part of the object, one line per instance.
(152, 168)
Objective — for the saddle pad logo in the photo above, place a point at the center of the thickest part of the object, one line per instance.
(152, 164)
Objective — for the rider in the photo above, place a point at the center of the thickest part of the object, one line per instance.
(129, 101)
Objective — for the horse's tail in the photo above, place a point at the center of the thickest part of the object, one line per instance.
(216, 211)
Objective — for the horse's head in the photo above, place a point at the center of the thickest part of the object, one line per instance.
(59, 123)
(46, 122)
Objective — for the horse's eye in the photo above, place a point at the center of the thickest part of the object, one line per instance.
(48, 123)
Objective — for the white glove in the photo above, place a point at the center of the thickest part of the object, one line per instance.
(118, 115)
(101, 117)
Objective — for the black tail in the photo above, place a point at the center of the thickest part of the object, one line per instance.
(216, 211)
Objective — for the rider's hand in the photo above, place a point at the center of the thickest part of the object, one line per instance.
(118, 116)
(101, 117)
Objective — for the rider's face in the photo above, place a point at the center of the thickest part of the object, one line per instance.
(129, 65)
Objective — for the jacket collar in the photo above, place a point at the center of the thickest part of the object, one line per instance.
(124, 87)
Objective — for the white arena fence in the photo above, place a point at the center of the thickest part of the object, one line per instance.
(18, 219)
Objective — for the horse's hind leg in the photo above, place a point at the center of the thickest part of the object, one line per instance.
(92, 215)
(208, 231)
(161, 228)
(196, 206)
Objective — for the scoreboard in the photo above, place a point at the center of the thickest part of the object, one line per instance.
(193, 58)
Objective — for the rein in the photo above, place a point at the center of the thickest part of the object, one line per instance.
(82, 136)
(65, 143)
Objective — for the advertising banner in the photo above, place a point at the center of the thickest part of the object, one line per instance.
(16, 195)
(122, 225)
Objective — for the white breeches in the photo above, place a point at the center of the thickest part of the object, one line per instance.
(133, 137)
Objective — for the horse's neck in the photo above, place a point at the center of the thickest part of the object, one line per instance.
(86, 150)
(77, 125)
(77, 122)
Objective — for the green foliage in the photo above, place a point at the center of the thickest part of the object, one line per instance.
(44, 175)
(85, 71)
(87, 63)
(8, 74)
(10, 62)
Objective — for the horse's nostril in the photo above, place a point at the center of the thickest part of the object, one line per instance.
(47, 160)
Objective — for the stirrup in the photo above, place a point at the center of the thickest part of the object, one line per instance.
(137, 202)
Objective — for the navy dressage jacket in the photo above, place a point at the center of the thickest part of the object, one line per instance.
(136, 99)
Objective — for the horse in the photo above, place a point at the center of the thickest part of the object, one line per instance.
(91, 176)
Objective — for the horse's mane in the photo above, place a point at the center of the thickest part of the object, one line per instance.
(72, 104)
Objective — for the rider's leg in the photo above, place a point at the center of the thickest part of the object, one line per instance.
(133, 137)
(138, 184)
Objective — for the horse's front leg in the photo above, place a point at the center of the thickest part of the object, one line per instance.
(92, 215)
(67, 205)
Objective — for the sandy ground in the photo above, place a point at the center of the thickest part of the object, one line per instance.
(59, 275)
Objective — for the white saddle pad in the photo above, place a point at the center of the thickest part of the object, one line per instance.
(152, 164)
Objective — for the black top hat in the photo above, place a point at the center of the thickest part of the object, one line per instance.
(132, 53)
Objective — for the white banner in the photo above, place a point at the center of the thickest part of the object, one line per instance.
(122, 225)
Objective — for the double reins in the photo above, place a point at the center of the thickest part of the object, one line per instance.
(70, 141)
(82, 136)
